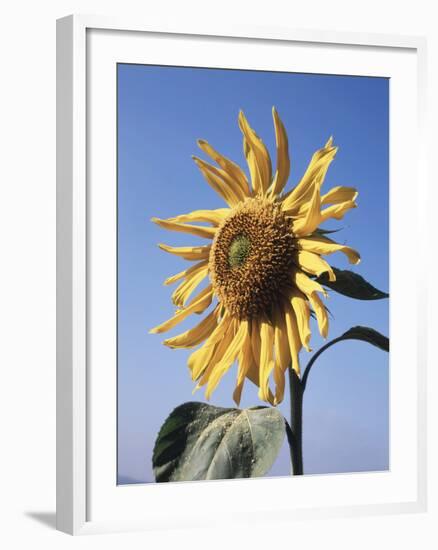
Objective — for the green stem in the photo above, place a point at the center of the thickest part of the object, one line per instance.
(315, 357)
(295, 436)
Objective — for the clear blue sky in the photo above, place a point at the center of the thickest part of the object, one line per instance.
(162, 111)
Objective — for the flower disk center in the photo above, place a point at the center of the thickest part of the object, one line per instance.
(239, 251)
(252, 258)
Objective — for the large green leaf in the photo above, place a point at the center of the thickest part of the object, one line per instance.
(365, 334)
(199, 441)
(353, 285)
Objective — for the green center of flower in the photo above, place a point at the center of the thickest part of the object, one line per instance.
(239, 250)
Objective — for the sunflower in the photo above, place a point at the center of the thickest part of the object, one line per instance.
(262, 261)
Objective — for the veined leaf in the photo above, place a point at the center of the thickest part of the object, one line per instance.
(199, 441)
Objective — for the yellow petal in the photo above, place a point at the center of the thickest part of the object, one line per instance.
(266, 360)
(283, 161)
(253, 168)
(199, 360)
(282, 355)
(184, 274)
(257, 156)
(280, 382)
(199, 231)
(255, 345)
(232, 169)
(199, 304)
(227, 189)
(224, 179)
(325, 246)
(293, 337)
(253, 373)
(195, 335)
(192, 253)
(339, 194)
(227, 359)
(215, 217)
(220, 349)
(337, 211)
(320, 312)
(302, 313)
(307, 285)
(245, 362)
(281, 345)
(314, 264)
(176, 277)
(314, 176)
(307, 224)
(185, 289)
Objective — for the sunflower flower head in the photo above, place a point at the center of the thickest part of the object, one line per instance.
(263, 257)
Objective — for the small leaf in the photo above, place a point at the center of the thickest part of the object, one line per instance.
(353, 285)
(365, 334)
(322, 231)
(199, 441)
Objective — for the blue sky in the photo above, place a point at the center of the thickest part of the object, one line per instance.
(162, 111)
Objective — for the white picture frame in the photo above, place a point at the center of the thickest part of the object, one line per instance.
(87, 48)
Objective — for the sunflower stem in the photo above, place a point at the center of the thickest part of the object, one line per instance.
(295, 437)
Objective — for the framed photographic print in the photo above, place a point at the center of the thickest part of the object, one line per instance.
(239, 275)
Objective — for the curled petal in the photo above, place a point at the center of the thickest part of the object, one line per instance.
(192, 280)
(339, 194)
(227, 359)
(231, 193)
(314, 176)
(199, 304)
(246, 361)
(282, 355)
(266, 360)
(307, 285)
(220, 349)
(253, 372)
(200, 359)
(187, 273)
(233, 170)
(325, 246)
(199, 231)
(302, 313)
(293, 336)
(257, 156)
(337, 211)
(283, 162)
(314, 264)
(215, 217)
(193, 253)
(195, 335)
(320, 312)
(307, 224)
